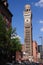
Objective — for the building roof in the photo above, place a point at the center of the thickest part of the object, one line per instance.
(1, 3)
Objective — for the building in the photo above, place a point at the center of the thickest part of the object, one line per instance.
(39, 48)
(4, 11)
(28, 31)
(7, 17)
(23, 52)
(18, 55)
(40, 56)
(35, 51)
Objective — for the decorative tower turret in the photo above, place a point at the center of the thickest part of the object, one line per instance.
(5, 2)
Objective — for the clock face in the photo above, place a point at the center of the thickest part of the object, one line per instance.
(27, 20)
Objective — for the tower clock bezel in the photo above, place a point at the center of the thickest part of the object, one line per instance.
(27, 20)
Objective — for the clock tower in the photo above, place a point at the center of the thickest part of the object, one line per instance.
(28, 30)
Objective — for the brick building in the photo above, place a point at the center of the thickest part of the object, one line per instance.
(4, 11)
(7, 17)
(35, 51)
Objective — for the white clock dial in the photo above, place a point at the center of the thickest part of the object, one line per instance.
(27, 20)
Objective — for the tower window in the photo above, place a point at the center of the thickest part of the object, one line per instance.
(27, 9)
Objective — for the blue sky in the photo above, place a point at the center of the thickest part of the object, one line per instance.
(17, 7)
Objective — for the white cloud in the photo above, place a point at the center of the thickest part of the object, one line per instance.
(41, 21)
(41, 29)
(39, 3)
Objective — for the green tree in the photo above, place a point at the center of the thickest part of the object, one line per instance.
(2, 37)
(5, 38)
(8, 45)
(15, 46)
(2, 31)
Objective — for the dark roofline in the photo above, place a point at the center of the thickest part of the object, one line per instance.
(6, 8)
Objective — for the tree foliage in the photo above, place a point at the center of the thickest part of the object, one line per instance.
(6, 43)
(16, 44)
(2, 31)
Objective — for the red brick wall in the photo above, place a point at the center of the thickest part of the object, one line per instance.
(18, 55)
(35, 50)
